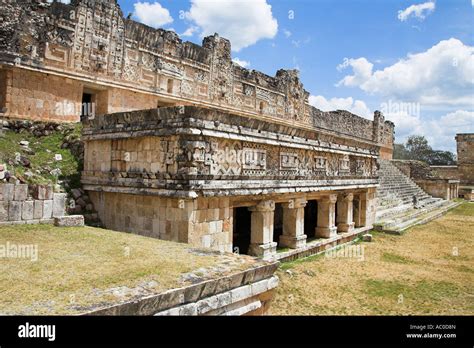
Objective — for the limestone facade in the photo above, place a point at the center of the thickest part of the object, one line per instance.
(58, 59)
(437, 181)
(186, 173)
(465, 147)
(34, 204)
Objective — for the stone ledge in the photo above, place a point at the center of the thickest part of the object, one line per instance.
(238, 301)
(320, 246)
(219, 289)
(69, 221)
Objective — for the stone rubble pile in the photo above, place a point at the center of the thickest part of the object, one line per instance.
(79, 203)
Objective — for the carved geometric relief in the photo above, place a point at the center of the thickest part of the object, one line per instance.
(248, 90)
(320, 165)
(360, 167)
(225, 158)
(254, 161)
(289, 161)
(187, 88)
(344, 165)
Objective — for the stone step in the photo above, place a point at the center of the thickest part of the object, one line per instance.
(417, 219)
(410, 214)
(403, 190)
(387, 211)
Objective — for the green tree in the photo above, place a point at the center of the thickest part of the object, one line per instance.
(442, 158)
(418, 148)
(400, 152)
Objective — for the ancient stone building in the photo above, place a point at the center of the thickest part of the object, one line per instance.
(56, 58)
(215, 179)
(181, 143)
(465, 147)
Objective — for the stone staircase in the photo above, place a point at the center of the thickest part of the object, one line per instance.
(396, 211)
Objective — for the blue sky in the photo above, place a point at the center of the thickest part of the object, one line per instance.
(414, 60)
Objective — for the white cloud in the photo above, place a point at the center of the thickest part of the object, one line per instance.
(357, 107)
(406, 124)
(287, 33)
(242, 63)
(153, 14)
(243, 22)
(419, 11)
(190, 31)
(441, 75)
(362, 69)
(439, 132)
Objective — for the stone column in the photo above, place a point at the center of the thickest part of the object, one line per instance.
(344, 213)
(293, 224)
(261, 238)
(363, 205)
(327, 217)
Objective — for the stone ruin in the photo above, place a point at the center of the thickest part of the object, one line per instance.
(463, 171)
(183, 144)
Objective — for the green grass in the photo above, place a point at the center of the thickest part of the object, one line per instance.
(465, 209)
(86, 263)
(420, 291)
(43, 161)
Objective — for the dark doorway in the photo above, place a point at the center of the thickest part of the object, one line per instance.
(87, 108)
(311, 218)
(241, 230)
(278, 223)
(355, 211)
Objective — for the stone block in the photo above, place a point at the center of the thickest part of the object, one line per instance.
(367, 237)
(43, 192)
(27, 210)
(3, 211)
(38, 209)
(59, 204)
(14, 211)
(21, 192)
(69, 221)
(8, 192)
(48, 209)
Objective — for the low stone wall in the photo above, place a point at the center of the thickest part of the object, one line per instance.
(467, 192)
(245, 292)
(447, 172)
(23, 204)
(440, 188)
(437, 181)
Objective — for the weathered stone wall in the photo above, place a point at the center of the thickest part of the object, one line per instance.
(437, 181)
(446, 172)
(440, 188)
(37, 96)
(178, 173)
(23, 204)
(465, 146)
(91, 42)
(121, 100)
(202, 222)
(3, 89)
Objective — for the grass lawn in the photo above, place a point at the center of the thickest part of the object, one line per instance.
(427, 271)
(80, 267)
